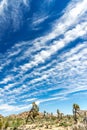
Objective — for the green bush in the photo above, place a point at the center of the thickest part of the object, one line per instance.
(63, 124)
(6, 125)
(1, 124)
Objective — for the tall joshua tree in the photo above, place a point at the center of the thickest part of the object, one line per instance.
(76, 108)
(33, 112)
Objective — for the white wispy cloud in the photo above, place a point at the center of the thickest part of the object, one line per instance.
(26, 2)
(6, 80)
(39, 20)
(14, 17)
(3, 5)
(10, 109)
(57, 45)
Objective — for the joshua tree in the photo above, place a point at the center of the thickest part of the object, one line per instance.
(33, 112)
(76, 108)
(61, 115)
(44, 113)
(58, 113)
(51, 114)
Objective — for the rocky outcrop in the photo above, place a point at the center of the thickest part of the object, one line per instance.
(83, 113)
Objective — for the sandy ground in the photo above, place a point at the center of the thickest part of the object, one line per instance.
(52, 127)
(34, 127)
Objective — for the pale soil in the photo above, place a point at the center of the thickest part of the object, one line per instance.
(52, 127)
(34, 127)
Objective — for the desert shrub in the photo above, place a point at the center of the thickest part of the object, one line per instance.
(1, 124)
(6, 124)
(16, 123)
(63, 124)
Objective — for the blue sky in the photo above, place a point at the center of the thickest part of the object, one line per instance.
(43, 55)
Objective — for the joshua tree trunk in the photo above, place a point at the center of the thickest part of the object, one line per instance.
(75, 111)
(75, 117)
